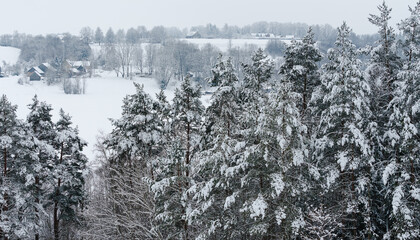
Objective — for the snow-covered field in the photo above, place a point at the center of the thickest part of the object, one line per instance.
(90, 111)
(10, 55)
(223, 43)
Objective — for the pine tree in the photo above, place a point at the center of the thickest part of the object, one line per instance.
(136, 141)
(40, 123)
(401, 173)
(68, 195)
(10, 191)
(216, 209)
(342, 146)
(382, 73)
(175, 167)
(301, 67)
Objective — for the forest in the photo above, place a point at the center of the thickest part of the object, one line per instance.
(325, 145)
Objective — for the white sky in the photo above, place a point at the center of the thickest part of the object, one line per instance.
(57, 16)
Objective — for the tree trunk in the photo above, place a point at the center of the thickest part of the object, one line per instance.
(56, 219)
(37, 202)
(305, 86)
(5, 207)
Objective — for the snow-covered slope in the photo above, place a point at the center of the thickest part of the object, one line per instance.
(10, 55)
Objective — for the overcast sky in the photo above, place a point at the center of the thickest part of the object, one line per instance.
(58, 16)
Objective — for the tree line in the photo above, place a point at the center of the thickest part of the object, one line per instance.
(308, 153)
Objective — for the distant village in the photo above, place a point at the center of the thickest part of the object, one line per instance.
(68, 69)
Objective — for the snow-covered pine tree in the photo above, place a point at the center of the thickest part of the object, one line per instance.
(300, 67)
(286, 156)
(28, 163)
(173, 202)
(258, 170)
(342, 147)
(40, 123)
(401, 174)
(10, 187)
(137, 133)
(217, 208)
(135, 142)
(382, 71)
(68, 174)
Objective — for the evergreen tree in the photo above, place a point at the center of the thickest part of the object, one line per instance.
(110, 37)
(40, 123)
(99, 36)
(10, 192)
(69, 194)
(216, 188)
(342, 145)
(135, 141)
(301, 67)
(382, 73)
(401, 173)
(175, 166)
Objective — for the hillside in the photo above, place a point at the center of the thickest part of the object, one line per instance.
(9, 55)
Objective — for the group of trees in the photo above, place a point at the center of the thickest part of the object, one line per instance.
(170, 60)
(310, 153)
(42, 174)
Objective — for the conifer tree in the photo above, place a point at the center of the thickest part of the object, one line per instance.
(216, 188)
(173, 202)
(342, 146)
(382, 71)
(300, 67)
(401, 173)
(10, 192)
(69, 194)
(135, 141)
(40, 123)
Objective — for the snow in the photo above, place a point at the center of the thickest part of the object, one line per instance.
(223, 44)
(258, 207)
(10, 55)
(90, 111)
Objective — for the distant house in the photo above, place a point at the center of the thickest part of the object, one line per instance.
(46, 67)
(76, 68)
(37, 73)
(35, 76)
(193, 35)
(35, 69)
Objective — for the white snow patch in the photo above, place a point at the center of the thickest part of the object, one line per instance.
(10, 55)
(258, 207)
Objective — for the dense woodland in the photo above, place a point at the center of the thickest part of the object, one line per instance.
(321, 146)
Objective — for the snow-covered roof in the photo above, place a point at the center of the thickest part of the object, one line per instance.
(37, 73)
(39, 70)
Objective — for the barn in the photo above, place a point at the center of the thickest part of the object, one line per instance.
(35, 76)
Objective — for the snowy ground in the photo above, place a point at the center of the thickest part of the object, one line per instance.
(9, 55)
(223, 43)
(91, 111)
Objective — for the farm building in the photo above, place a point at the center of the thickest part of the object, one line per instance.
(193, 35)
(35, 76)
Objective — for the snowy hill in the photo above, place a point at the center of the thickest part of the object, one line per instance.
(10, 55)
(91, 111)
